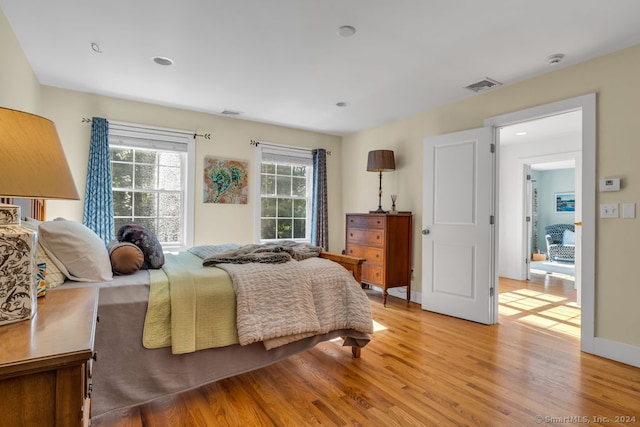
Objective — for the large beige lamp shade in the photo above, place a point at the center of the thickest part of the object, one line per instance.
(32, 162)
(32, 165)
(380, 161)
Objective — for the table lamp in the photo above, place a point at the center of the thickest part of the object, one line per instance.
(380, 161)
(32, 165)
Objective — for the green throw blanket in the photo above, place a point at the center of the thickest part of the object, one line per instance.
(190, 307)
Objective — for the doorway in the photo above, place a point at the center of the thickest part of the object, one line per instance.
(546, 154)
(550, 218)
(584, 212)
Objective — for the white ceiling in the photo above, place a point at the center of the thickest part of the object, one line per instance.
(282, 62)
(566, 126)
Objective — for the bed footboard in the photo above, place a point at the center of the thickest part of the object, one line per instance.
(353, 264)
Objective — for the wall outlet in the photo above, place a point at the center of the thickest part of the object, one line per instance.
(609, 210)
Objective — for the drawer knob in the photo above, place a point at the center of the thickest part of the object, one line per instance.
(95, 356)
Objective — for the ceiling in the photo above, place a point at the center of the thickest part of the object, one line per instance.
(283, 62)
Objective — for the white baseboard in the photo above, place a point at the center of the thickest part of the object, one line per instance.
(614, 350)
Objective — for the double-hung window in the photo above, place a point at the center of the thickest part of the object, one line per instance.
(285, 184)
(152, 181)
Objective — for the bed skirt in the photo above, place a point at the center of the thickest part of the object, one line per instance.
(126, 374)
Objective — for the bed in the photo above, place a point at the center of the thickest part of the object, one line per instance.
(127, 374)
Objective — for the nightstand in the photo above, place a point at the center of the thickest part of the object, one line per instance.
(45, 362)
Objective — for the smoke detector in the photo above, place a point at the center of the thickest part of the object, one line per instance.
(483, 85)
(162, 60)
(555, 58)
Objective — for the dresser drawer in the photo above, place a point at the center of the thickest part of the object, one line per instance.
(365, 237)
(360, 221)
(371, 255)
(372, 273)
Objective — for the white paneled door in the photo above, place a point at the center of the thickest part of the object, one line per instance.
(458, 232)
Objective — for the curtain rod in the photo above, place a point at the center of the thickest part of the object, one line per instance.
(194, 135)
(271, 144)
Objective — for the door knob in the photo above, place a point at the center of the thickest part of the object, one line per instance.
(426, 231)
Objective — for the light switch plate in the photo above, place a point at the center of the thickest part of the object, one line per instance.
(628, 210)
(609, 210)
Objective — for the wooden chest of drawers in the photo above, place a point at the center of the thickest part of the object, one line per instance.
(384, 240)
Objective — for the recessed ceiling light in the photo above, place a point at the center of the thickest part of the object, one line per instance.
(95, 47)
(555, 58)
(162, 60)
(342, 104)
(521, 133)
(346, 31)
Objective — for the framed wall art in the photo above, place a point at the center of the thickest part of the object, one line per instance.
(565, 202)
(225, 181)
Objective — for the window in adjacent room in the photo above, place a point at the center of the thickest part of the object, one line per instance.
(152, 181)
(285, 193)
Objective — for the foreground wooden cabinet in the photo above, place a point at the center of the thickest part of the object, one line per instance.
(384, 240)
(45, 362)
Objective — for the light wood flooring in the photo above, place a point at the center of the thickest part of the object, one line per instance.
(425, 369)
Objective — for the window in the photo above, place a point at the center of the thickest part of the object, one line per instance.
(152, 182)
(285, 193)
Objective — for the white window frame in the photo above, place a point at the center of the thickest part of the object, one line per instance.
(282, 154)
(122, 134)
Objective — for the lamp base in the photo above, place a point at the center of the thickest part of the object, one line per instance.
(379, 211)
(18, 280)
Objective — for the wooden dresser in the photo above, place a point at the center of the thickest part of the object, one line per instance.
(45, 362)
(384, 240)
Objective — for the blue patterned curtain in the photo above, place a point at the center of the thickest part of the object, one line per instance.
(98, 198)
(319, 214)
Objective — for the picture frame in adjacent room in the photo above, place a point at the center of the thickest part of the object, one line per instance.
(565, 202)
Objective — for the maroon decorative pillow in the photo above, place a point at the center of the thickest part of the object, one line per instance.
(146, 241)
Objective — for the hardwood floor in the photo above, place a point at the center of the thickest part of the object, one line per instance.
(425, 369)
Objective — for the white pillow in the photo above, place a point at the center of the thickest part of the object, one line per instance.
(53, 276)
(76, 250)
(568, 237)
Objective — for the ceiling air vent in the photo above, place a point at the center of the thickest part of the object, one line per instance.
(482, 85)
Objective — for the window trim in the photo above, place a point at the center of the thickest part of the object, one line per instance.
(268, 148)
(162, 139)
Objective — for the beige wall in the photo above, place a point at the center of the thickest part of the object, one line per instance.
(214, 223)
(614, 78)
(19, 88)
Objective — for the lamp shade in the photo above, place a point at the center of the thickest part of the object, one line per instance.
(381, 161)
(32, 162)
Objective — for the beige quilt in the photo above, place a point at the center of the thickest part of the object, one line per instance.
(281, 303)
